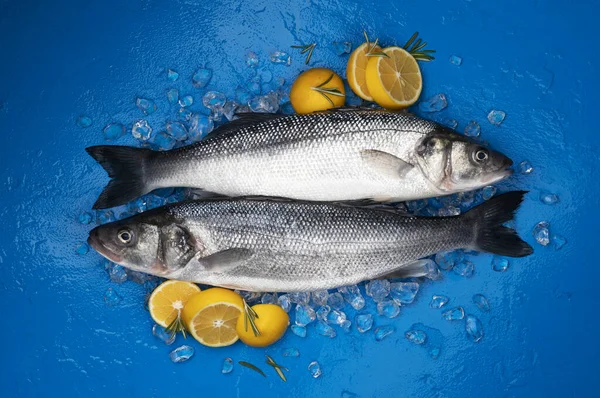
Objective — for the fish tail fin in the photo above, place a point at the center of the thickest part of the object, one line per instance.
(491, 235)
(125, 165)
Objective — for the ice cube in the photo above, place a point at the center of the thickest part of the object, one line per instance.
(434, 104)
(451, 123)
(496, 117)
(202, 77)
(438, 301)
(434, 352)
(364, 322)
(474, 328)
(85, 218)
(304, 314)
(346, 325)
(250, 297)
(342, 48)
(113, 131)
(449, 211)
(336, 301)
(268, 103)
(382, 332)
(454, 314)
(182, 354)
(336, 317)
(464, 268)
(325, 330)
(266, 76)
(280, 81)
(455, 60)
(177, 130)
(84, 121)
(481, 302)
(319, 297)
(404, 292)
(184, 114)
(488, 192)
(299, 297)
(548, 198)
(416, 336)
(227, 366)
(447, 260)
(229, 110)
(141, 130)
(378, 289)
(252, 59)
(388, 308)
(163, 141)
(186, 101)
(433, 271)
(315, 369)
(558, 241)
(173, 95)
(82, 248)
(172, 75)
(291, 352)
(161, 333)
(280, 57)
(146, 105)
(299, 331)
(525, 167)
(416, 205)
(541, 233)
(242, 95)
(472, 129)
(322, 312)
(139, 277)
(500, 264)
(284, 302)
(213, 99)
(269, 298)
(254, 86)
(111, 297)
(200, 127)
(353, 296)
(104, 216)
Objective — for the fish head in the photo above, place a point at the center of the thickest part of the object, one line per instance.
(455, 163)
(147, 242)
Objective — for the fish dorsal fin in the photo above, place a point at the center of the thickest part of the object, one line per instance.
(246, 119)
(226, 259)
(363, 108)
(385, 163)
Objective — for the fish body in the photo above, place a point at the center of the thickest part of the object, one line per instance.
(279, 245)
(332, 156)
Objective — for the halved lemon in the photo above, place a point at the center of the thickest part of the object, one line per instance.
(356, 70)
(211, 316)
(168, 299)
(395, 82)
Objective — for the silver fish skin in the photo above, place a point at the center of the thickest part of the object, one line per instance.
(332, 156)
(270, 245)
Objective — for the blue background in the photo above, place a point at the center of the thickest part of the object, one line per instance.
(535, 60)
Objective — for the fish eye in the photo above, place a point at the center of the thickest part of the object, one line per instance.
(125, 236)
(481, 156)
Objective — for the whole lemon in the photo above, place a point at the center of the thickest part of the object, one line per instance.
(272, 322)
(317, 89)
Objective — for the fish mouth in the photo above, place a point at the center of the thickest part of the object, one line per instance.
(94, 241)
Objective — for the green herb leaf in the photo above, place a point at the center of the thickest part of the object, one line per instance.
(417, 49)
(307, 48)
(250, 366)
(249, 318)
(325, 92)
(176, 326)
(278, 368)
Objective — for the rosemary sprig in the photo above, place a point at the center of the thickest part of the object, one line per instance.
(176, 326)
(372, 52)
(324, 91)
(249, 318)
(249, 365)
(417, 49)
(278, 368)
(309, 48)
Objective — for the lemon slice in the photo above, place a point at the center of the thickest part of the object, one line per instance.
(168, 299)
(356, 70)
(395, 82)
(211, 316)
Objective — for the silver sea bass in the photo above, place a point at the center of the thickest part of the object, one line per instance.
(269, 245)
(334, 156)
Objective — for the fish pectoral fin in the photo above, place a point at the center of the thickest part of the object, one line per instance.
(226, 259)
(415, 269)
(385, 163)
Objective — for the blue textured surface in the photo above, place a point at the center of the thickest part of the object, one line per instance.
(534, 60)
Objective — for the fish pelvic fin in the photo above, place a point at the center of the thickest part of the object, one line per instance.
(125, 165)
(490, 235)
